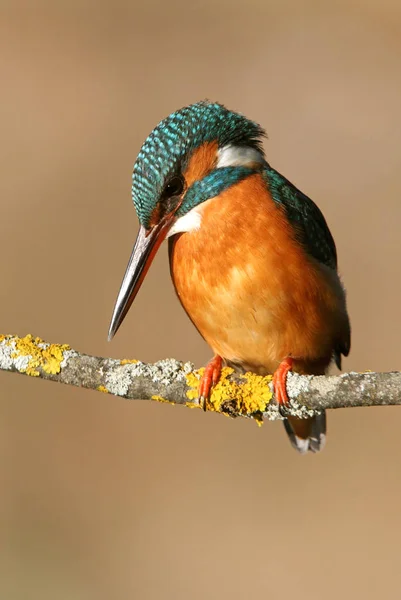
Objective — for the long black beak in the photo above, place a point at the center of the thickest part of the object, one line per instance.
(146, 245)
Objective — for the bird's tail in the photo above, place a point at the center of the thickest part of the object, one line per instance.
(307, 434)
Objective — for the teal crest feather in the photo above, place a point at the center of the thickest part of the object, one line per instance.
(169, 146)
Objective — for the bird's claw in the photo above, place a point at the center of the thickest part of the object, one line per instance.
(202, 402)
(280, 387)
(209, 379)
(284, 410)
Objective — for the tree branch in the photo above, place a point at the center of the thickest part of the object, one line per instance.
(172, 381)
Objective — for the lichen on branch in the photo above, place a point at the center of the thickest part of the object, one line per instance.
(176, 382)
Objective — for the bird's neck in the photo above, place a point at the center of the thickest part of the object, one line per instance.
(233, 229)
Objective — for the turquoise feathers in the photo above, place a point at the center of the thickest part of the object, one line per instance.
(167, 149)
(309, 224)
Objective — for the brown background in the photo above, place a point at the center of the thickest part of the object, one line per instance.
(102, 498)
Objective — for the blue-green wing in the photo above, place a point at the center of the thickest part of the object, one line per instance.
(312, 232)
(309, 224)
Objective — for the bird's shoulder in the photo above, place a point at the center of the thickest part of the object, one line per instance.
(309, 224)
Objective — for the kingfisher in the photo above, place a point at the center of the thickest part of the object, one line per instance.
(252, 259)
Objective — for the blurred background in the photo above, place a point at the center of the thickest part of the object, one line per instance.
(104, 498)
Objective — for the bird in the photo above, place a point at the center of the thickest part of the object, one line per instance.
(251, 257)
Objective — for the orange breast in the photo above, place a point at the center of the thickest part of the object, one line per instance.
(251, 290)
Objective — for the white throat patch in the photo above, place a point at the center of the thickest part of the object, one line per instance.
(238, 156)
(191, 221)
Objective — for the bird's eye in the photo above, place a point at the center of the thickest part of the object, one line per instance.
(174, 187)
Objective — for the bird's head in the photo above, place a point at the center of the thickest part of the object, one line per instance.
(191, 156)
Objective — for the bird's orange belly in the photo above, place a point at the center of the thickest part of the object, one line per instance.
(256, 312)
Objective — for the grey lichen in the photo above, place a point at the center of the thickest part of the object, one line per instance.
(10, 359)
(295, 409)
(6, 360)
(119, 379)
(21, 363)
(165, 372)
(272, 413)
(297, 384)
(67, 354)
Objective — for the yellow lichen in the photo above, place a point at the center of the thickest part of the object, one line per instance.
(192, 405)
(48, 358)
(161, 399)
(53, 357)
(251, 397)
(255, 394)
(128, 361)
(222, 392)
(193, 383)
(102, 388)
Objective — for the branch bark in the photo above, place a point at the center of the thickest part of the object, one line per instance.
(172, 381)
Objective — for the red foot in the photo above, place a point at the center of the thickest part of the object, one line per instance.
(280, 380)
(209, 379)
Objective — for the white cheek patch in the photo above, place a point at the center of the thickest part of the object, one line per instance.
(191, 221)
(238, 156)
